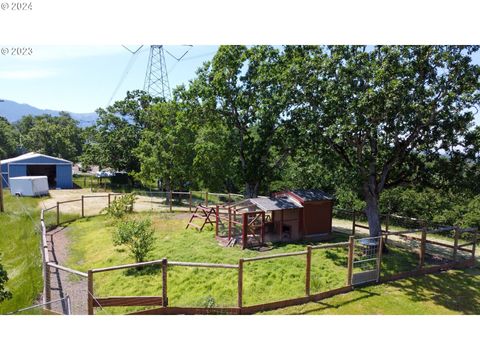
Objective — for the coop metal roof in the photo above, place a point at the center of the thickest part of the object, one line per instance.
(311, 195)
(281, 203)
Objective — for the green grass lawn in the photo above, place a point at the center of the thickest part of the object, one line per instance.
(264, 281)
(453, 292)
(20, 248)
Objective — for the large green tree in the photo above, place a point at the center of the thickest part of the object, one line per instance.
(165, 150)
(384, 112)
(8, 139)
(112, 140)
(58, 136)
(246, 90)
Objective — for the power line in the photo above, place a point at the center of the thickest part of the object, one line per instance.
(181, 57)
(130, 63)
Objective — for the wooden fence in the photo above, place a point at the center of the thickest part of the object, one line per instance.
(161, 302)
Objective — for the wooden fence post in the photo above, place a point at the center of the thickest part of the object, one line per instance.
(164, 282)
(308, 270)
(379, 255)
(109, 200)
(216, 221)
(229, 223)
(455, 243)
(244, 230)
(83, 206)
(229, 198)
(58, 213)
(171, 200)
(206, 198)
(190, 201)
(351, 245)
(262, 230)
(423, 245)
(90, 291)
(387, 225)
(47, 287)
(353, 223)
(474, 246)
(240, 284)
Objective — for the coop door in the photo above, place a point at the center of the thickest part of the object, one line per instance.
(366, 260)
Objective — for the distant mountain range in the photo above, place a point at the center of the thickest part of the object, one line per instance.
(14, 111)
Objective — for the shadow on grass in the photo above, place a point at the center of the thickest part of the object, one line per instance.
(144, 270)
(457, 290)
(339, 259)
(335, 238)
(398, 260)
(359, 294)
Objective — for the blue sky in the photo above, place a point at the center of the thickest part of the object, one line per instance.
(83, 78)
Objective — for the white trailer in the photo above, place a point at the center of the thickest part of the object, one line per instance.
(29, 185)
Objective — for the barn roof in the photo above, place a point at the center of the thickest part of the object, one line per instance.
(32, 155)
(311, 195)
(269, 204)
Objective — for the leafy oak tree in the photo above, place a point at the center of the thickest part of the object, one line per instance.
(58, 136)
(245, 89)
(8, 139)
(111, 141)
(385, 112)
(165, 150)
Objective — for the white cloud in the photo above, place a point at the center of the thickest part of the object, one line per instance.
(27, 74)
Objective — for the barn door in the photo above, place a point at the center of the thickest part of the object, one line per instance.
(366, 260)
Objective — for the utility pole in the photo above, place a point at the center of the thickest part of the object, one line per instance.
(156, 78)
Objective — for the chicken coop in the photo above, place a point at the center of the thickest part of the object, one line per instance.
(287, 216)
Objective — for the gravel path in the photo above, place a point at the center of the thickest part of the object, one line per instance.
(63, 283)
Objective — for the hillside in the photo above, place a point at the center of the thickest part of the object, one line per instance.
(14, 111)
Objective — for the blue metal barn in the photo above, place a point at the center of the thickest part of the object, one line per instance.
(58, 171)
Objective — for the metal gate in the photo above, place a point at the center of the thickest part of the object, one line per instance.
(366, 260)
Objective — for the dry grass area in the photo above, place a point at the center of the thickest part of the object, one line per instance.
(94, 205)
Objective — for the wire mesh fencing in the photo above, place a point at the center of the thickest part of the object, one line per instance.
(47, 308)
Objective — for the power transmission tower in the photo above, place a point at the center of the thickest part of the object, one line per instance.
(156, 78)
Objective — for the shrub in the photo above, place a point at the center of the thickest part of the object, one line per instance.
(4, 294)
(208, 302)
(137, 236)
(120, 206)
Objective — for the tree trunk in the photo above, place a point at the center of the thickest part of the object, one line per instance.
(168, 187)
(373, 215)
(251, 190)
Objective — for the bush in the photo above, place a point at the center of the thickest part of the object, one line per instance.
(120, 206)
(208, 302)
(4, 294)
(137, 236)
